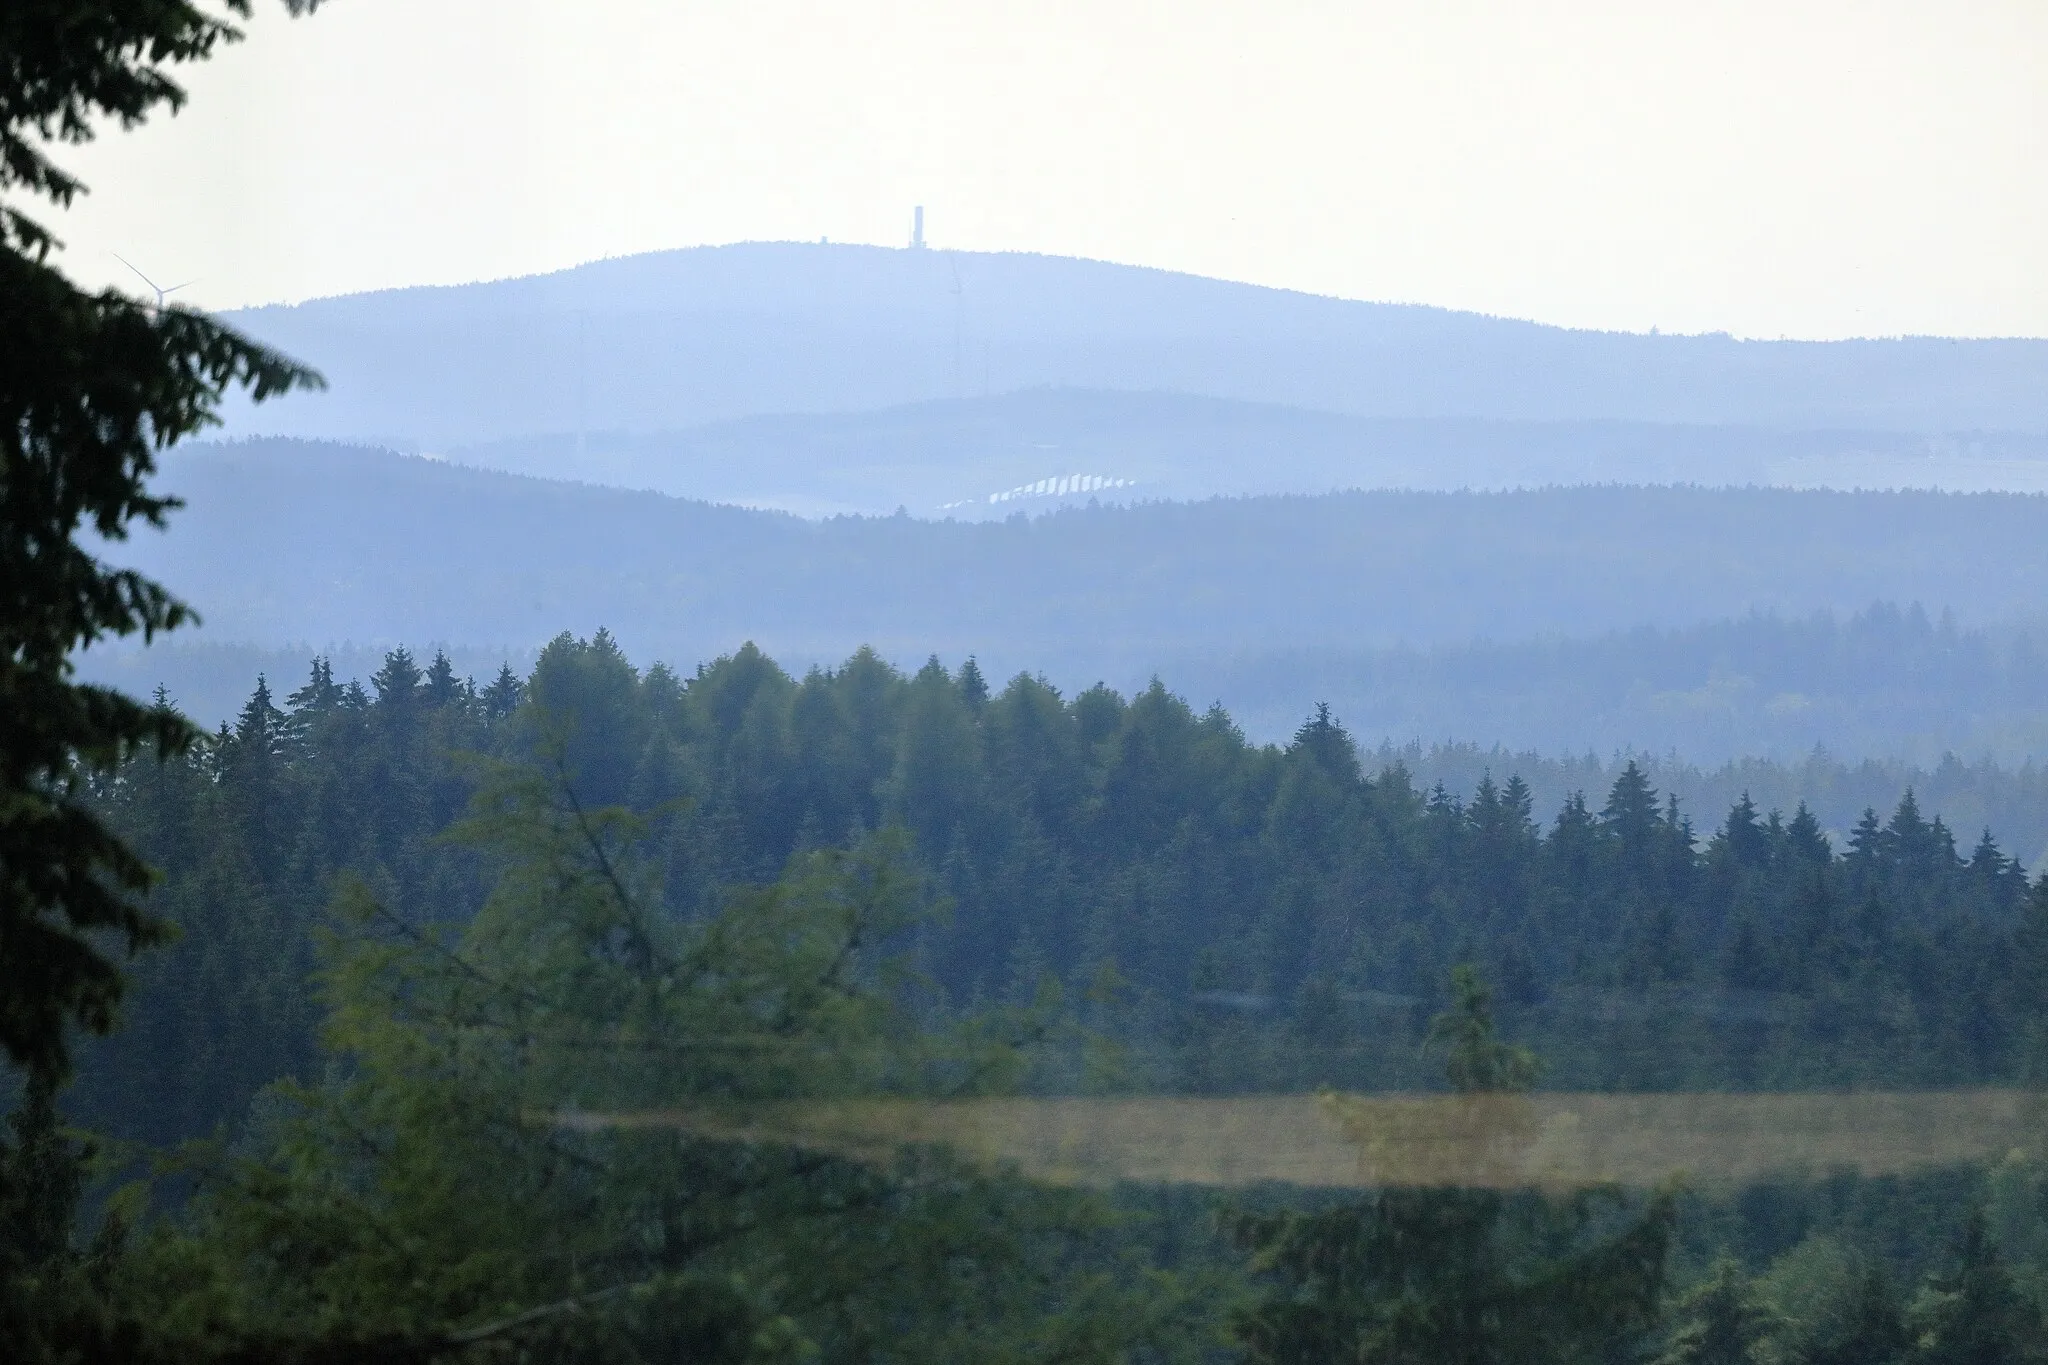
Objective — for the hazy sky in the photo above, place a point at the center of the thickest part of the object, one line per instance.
(1804, 169)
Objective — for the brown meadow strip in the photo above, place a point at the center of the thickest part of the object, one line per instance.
(1336, 1140)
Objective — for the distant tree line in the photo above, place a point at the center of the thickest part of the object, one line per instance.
(1885, 680)
(1898, 685)
(303, 541)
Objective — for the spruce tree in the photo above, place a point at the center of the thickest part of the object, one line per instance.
(1630, 814)
(973, 686)
(1521, 802)
(1871, 1331)
(1743, 836)
(260, 729)
(1721, 1321)
(1805, 838)
(398, 681)
(1476, 1061)
(1869, 855)
(320, 692)
(1908, 838)
(93, 387)
(1973, 1313)
(441, 686)
(501, 698)
(1327, 742)
(47, 1312)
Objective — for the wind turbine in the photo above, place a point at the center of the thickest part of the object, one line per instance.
(959, 310)
(161, 293)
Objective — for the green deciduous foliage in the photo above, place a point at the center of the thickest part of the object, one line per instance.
(553, 1129)
(92, 388)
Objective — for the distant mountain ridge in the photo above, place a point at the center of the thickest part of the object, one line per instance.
(285, 541)
(1510, 617)
(681, 338)
(976, 458)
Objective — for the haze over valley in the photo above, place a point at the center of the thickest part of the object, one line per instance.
(920, 380)
(1445, 525)
(620, 747)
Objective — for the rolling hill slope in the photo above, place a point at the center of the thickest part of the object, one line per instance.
(1037, 448)
(286, 541)
(677, 339)
(1381, 602)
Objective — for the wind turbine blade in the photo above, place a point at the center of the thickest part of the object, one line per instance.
(132, 266)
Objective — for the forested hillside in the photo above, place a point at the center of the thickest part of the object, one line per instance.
(1883, 685)
(1978, 795)
(1236, 916)
(842, 806)
(673, 339)
(284, 543)
(1880, 683)
(1654, 619)
(990, 456)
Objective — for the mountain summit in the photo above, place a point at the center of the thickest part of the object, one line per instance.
(680, 338)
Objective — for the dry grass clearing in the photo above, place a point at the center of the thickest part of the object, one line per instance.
(1333, 1140)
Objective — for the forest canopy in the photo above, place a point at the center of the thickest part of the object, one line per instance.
(1275, 916)
(611, 1016)
(420, 913)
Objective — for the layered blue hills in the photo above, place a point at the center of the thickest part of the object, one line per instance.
(677, 339)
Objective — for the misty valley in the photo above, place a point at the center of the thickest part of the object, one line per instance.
(586, 779)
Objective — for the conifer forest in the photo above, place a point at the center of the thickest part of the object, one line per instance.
(840, 804)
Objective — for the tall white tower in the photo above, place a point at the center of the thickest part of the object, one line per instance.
(917, 228)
